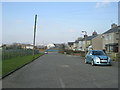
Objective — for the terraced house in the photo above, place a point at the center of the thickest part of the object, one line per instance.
(87, 42)
(111, 38)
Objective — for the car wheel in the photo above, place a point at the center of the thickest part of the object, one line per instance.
(86, 62)
(92, 63)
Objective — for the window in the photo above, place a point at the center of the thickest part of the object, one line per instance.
(110, 37)
(98, 53)
(117, 36)
(107, 37)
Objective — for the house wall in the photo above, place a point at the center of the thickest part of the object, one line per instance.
(80, 45)
(29, 47)
(83, 47)
(88, 42)
(97, 43)
(70, 47)
(116, 34)
(75, 46)
(110, 38)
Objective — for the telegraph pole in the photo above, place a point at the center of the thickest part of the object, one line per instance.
(34, 35)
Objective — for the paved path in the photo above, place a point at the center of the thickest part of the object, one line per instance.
(62, 71)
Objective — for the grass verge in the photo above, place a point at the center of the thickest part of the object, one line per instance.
(0, 68)
(14, 63)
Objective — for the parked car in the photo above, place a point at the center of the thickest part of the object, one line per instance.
(46, 52)
(97, 57)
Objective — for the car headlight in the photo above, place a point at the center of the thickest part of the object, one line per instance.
(97, 59)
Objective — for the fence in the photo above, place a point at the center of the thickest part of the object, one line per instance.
(12, 53)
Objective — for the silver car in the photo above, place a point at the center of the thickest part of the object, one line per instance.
(97, 57)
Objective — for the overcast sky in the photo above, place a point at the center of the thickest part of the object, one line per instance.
(58, 22)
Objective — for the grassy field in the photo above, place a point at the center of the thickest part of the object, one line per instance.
(9, 65)
(13, 53)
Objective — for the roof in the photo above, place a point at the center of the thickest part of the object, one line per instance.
(116, 29)
(70, 43)
(80, 39)
(57, 45)
(76, 41)
(90, 37)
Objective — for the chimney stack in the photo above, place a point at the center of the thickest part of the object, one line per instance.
(113, 25)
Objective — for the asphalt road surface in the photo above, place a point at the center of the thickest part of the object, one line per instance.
(55, 70)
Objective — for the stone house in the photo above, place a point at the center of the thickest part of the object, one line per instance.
(111, 38)
(87, 42)
(71, 45)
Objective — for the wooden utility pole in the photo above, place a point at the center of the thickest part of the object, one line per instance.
(34, 35)
(119, 41)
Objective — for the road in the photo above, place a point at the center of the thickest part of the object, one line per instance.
(55, 70)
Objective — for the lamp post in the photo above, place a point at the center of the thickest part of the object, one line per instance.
(85, 41)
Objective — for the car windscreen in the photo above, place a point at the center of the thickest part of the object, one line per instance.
(98, 53)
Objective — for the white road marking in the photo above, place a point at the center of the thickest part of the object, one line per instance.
(62, 83)
(66, 66)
